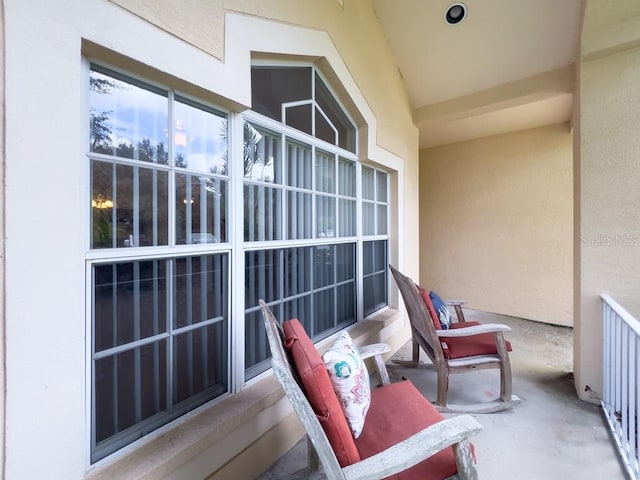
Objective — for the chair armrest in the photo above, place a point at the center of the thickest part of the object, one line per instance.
(376, 350)
(457, 305)
(474, 330)
(414, 449)
(368, 351)
(454, 302)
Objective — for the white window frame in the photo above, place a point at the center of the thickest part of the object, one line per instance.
(235, 246)
(172, 250)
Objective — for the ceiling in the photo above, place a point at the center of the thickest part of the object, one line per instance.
(507, 66)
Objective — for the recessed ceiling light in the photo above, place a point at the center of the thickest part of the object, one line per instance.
(456, 13)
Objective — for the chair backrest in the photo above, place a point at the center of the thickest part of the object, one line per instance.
(421, 323)
(285, 374)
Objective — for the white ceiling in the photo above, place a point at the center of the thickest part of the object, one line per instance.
(506, 67)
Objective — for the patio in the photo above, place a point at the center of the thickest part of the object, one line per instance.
(551, 434)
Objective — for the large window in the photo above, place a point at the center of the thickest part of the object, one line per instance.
(174, 203)
(160, 311)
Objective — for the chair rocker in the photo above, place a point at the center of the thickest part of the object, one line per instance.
(463, 348)
(428, 445)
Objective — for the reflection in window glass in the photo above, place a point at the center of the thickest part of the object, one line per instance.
(127, 120)
(201, 209)
(325, 216)
(299, 215)
(368, 219)
(325, 172)
(275, 90)
(382, 220)
(132, 381)
(120, 290)
(338, 120)
(200, 139)
(299, 117)
(347, 178)
(375, 262)
(347, 216)
(368, 183)
(319, 289)
(299, 166)
(263, 276)
(381, 186)
(262, 213)
(262, 155)
(128, 206)
(325, 130)
(273, 86)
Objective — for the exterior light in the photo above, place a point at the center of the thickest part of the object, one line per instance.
(101, 202)
(456, 13)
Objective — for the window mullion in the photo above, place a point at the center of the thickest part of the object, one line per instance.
(156, 330)
(137, 335)
(135, 241)
(171, 315)
(237, 270)
(359, 244)
(171, 207)
(114, 375)
(154, 206)
(114, 210)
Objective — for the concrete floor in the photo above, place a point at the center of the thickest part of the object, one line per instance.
(550, 435)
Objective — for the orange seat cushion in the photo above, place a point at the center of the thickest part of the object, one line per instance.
(316, 384)
(398, 411)
(461, 347)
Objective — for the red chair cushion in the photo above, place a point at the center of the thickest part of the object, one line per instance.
(430, 308)
(319, 391)
(461, 347)
(398, 411)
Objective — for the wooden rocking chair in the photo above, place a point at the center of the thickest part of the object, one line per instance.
(466, 347)
(402, 432)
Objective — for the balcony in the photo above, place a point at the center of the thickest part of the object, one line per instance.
(551, 434)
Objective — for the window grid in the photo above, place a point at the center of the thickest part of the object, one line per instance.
(151, 369)
(291, 280)
(375, 188)
(302, 247)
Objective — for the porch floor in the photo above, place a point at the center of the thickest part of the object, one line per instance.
(551, 434)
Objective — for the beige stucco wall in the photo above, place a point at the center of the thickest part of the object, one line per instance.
(353, 28)
(204, 49)
(609, 176)
(496, 223)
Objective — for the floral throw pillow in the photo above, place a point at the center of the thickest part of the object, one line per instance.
(350, 381)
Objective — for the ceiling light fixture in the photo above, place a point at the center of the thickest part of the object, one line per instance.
(456, 13)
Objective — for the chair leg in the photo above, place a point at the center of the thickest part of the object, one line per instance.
(465, 461)
(443, 387)
(415, 356)
(313, 465)
(505, 369)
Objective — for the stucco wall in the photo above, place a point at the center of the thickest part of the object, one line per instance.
(206, 50)
(496, 223)
(353, 28)
(609, 176)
